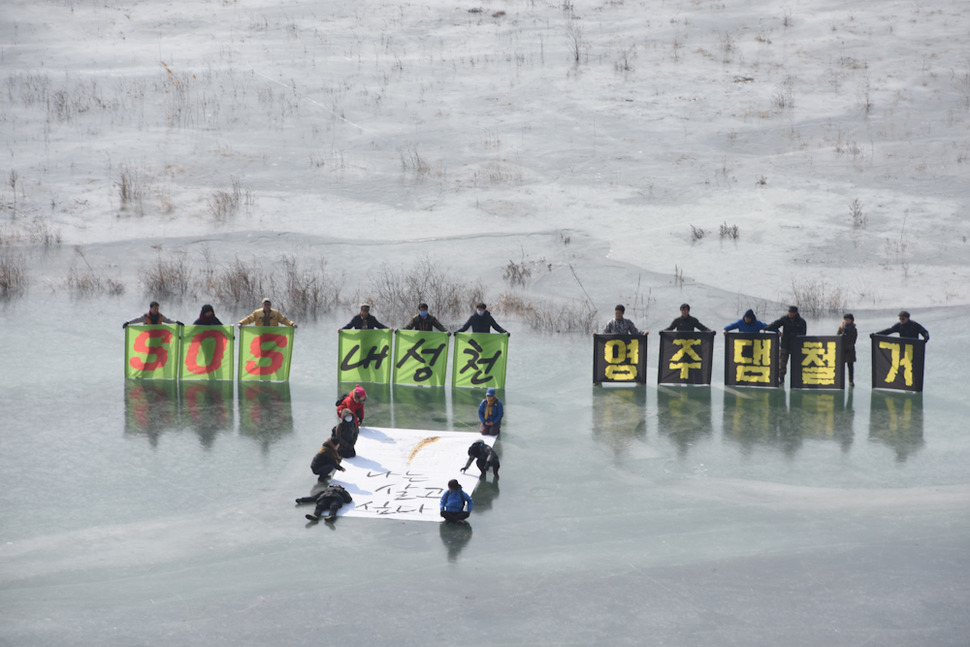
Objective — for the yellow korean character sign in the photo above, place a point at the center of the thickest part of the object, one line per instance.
(685, 357)
(817, 363)
(897, 363)
(750, 359)
(619, 359)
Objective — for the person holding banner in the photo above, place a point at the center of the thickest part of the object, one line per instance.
(364, 321)
(207, 317)
(424, 321)
(490, 412)
(453, 502)
(747, 323)
(151, 318)
(685, 322)
(331, 498)
(326, 460)
(266, 316)
(482, 321)
(907, 328)
(620, 326)
(353, 403)
(485, 458)
(849, 333)
(792, 325)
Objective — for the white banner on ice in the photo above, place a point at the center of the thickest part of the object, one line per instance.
(402, 473)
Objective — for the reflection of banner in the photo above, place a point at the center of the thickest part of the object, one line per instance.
(750, 359)
(684, 415)
(402, 473)
(420, 358)
(417, 408)
(265, 353)
(817, 363)
(619, 359)
(896, 419)
(754, 417)
(150, 407)
(364, 356)
(897, 363)
(479, 360)
(685, 357)
(208, 408)
(265, 411)
(151, 352)
(207, 353)
(822, 415)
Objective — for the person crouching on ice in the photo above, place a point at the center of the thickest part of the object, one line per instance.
(453, 502)
(326, 460)
(485, 458)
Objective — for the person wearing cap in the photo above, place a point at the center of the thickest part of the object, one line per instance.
(490, 412)
(747, 323)
(907, 328)
(485, 458)
(792, 325)
(207, 317)
(849, 334)
(151, 318)
(424, 320)
(618, 325)
(453, 503)
(364, 320)
(266, 316)
(685, 322)
(353, 404)
(482, 321)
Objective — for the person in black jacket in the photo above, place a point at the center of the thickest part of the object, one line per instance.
(685, 322)
(424, 320)
(907, 328)
(849, 334)
(482, 321)
(329, 498)
(345, 435)
(791, 326)
(364, 321)
(207, 317)
(326, 460)
(485, 458)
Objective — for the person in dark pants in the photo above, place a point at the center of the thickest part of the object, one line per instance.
(345, 435)
(849, 334)
(791, 326)
(453, 502)
(326, 460)
(485, 458)
(330, 498)
(907, 328)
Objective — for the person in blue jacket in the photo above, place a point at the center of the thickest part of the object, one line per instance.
(747, 323)
(453, 502)
(482, 321)
(490, 412)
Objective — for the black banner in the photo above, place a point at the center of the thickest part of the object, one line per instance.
(897, 363)
(750, 359)
(817, 363)
(685, 357)
(619, 359)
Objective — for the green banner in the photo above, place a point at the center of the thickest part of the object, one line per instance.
(207, 353)
(420, 358)
(364, 356)
(151, 352)
(479, 360)
(265, 353)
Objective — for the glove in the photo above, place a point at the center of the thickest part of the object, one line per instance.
(124, 325)
(179, 323)
(872, 335)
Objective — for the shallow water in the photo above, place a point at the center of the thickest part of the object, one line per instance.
(691, 515)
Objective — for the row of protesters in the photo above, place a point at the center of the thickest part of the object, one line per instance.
(481, 321)
(264, 316)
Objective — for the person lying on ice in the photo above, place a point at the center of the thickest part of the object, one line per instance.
(329, 498)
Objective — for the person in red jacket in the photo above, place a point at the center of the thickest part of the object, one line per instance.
(354, 403)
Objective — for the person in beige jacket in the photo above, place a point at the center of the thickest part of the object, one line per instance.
(266, 316)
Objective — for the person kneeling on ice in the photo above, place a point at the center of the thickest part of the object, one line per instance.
(345, 434)
(453, 502)
(326, 460)
(490, 413)
(329, 498)
(484, 457)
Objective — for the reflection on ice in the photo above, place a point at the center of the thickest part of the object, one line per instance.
(684, 415)
(896, 419)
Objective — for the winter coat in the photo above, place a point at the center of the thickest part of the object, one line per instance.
(850, 333)
(345, 435)
(455, 500)
(620, 327)
(485, 455)
(481, 323)
(260, 317)
(207, 321)
(427, 323)
(743, 326)
(494, 415)
(361, 323)
(908, 330)
(146, 320)
(686, 324)
(790, 328)
(356, 407)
